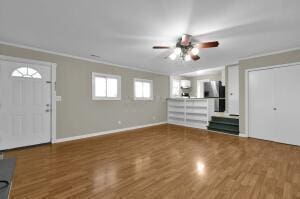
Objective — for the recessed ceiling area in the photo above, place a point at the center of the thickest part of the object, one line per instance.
(202, 72)
(123, 32)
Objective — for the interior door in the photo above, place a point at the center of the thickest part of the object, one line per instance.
(25, 104)
(233, 90)
(287, 109)
(261, 104)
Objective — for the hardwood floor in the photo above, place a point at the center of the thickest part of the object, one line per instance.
(165, 161)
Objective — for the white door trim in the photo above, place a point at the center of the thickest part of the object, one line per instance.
(53, 85)
(246, 133)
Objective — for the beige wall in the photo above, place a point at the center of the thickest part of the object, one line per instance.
(77, 114)
(270, 60)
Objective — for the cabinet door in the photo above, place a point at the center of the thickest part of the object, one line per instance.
(287, 109)
(233, 90)
(261, 113)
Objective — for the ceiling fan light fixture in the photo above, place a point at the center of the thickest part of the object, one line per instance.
(177, 51)
(187, 57)
(195, 51)
(173, 56)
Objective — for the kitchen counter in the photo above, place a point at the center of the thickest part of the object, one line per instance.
(192, 112)
(7, 167)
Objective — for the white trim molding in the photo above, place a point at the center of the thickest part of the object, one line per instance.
(79, 57)
(59, 140)
(270, 53)
(246, 133)
(106, 76)
(53, 86)
(151, 89)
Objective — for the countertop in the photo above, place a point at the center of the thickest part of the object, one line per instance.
(7, 167)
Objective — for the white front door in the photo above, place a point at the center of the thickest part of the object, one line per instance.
(233, 90)
(25, 104)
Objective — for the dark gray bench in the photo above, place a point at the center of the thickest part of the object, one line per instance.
(7, 167)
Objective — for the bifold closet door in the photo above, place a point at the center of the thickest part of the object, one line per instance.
(233, 90)
(261, 100)
(287, 104)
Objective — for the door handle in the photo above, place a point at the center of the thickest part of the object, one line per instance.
(274, 109)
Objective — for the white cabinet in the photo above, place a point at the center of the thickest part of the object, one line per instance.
(273, 99)
(184, 83)
(233, 90)
(190, 112)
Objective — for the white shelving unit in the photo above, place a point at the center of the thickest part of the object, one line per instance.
(190, 112)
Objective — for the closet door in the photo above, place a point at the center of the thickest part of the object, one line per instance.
(287, 104)
(233, 90)
(261, 113)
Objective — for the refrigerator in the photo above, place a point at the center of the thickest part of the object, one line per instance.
(214, 89)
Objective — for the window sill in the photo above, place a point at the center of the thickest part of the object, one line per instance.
(105, 98)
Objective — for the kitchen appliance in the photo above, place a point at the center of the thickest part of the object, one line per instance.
(214, 89)
(185, 94)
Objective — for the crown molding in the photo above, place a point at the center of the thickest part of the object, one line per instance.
(270, 53)
(78, 57)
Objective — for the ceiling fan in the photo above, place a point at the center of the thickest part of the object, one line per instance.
(186, 50)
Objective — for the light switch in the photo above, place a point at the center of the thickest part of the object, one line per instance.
(58, 98)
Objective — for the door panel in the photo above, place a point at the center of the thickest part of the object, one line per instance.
(233, 90)
(287, 98)
(261, 102)
(23, 117)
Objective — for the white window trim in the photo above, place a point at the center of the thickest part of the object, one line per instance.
(151, 89)
(119, 79)
(24, 75)
(171, 87)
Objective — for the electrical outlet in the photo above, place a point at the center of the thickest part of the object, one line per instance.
(119, 122)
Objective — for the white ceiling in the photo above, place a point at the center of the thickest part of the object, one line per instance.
(208, 71)
(123, 31)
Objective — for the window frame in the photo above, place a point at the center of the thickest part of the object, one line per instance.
(119, 82)
(151, 89)
(172, 86)
(26, 76)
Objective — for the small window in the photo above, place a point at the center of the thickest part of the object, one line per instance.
(26, 72)
(106, 87)
(175, 87)
(143, 89)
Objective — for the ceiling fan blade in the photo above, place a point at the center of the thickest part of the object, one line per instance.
(161, 47)
(211, 44)
(195, 57)
(186, 40)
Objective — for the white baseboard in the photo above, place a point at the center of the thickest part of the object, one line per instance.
(243, 135)
(104, 133)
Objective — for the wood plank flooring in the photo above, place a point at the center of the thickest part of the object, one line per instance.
(164, 161)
